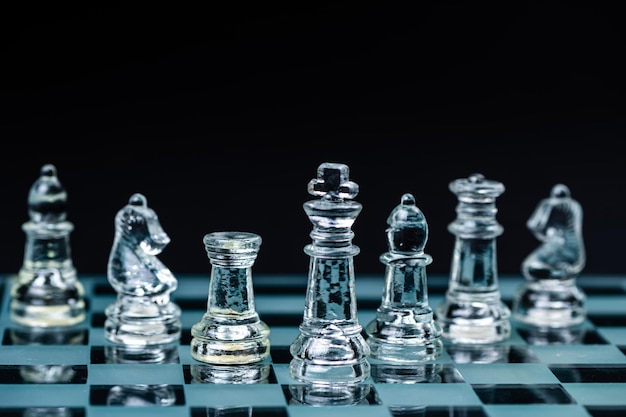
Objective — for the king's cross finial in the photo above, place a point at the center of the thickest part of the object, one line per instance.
(333, 182)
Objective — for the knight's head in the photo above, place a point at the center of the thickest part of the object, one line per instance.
(138, 226)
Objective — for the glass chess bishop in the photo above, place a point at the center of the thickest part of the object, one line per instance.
(404, 329)
(47, 292)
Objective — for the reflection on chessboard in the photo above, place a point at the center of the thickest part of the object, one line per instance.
(578, 371)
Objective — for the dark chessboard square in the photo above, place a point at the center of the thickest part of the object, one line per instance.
(42, 411)
(368, 304)
(606, 410)
(522, 354)
(602, 290)
(190, 304)
(432, 411)
(280, 354)
(608, 320)
(103, 289)
(187, 374)
(137, 395)
(98, 319)
(577, 335)
(243, 411)
(288, 320)
(185, 336)
(589, 373)
(41, 336)
(311, 395)
(522, 394)
(43, 374)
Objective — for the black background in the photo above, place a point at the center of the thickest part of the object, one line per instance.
(220, 116)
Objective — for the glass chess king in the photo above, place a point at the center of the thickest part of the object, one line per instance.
(329, 348)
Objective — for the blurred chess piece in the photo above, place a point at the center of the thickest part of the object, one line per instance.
(385, 372)
(143, 313)
(550, 296)
(330, 348)
(477, 353)
(404, 329)
(132, 354)
(47, 292)
(473, 311)
(230, 331)
(323, 395)
(254, 373)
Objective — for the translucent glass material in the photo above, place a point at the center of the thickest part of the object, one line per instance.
(256, 373)
(550, 296)
(230, 332)
(472, 311)
(47, 292)
(404, 329)
(143, 313)
(329, 348)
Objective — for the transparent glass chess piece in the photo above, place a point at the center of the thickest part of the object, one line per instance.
(143, 313)
(323, 395)
(133, 354)
(472, 311)
(404, 329)
(230, 332)
(550, 296)
(47, 292)
(253, 373)
(330, 348)
(386, 372)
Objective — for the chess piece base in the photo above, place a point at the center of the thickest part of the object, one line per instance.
(229, 374)
(550, 303)
(405, 343)
(46, 299)
(142, 324)
(330, 355)
(474, 319)
(329, 395)
(47, 316)
(230, 340)
(387, 373)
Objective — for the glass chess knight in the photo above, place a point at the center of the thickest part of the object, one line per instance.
(143, 313)
(47, 292)
(550, 296)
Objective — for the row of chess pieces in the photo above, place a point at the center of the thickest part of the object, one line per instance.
(330, 347)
